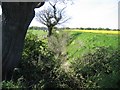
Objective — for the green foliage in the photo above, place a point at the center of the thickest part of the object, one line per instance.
(9, 84)
(99, 69)
(58, 43)
(36, 64)
(37, 61)
(64, 77)
(82, 43)
(46, 63)
(40, 68)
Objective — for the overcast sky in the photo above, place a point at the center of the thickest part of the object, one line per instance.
(90, 13)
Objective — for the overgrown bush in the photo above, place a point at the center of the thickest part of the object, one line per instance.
(99, 69)
(39, 67)
(36, 64)
(46, 65)
(64, 75)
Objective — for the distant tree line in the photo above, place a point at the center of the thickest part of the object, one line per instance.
(88, 28)
(37, 28)
(68, 28)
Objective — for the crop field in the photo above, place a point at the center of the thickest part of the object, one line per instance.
(84, 41)
(97, 31)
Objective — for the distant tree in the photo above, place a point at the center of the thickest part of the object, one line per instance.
(81, 28)
(51, 16)
(88, 28)
(107, 29)
(77, 28)
(100, 28)
(116, 29)
(67, 28)
(95, 28)
(30, 28)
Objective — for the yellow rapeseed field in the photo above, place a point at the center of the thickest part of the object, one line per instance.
(97, 31)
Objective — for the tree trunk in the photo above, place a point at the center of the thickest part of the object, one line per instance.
(49, 31)
(16, 19)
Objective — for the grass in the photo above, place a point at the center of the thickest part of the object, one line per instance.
(39, 33)
(83, 41)
(87, 42)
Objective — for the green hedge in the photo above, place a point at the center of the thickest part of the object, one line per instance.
(39, 67)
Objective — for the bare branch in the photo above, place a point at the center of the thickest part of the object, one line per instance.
(52, 16)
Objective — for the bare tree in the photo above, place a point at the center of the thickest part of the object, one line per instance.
(52, 16)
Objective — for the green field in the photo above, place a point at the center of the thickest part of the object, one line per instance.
(71, 59)
(84, 42)
(87, 42)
